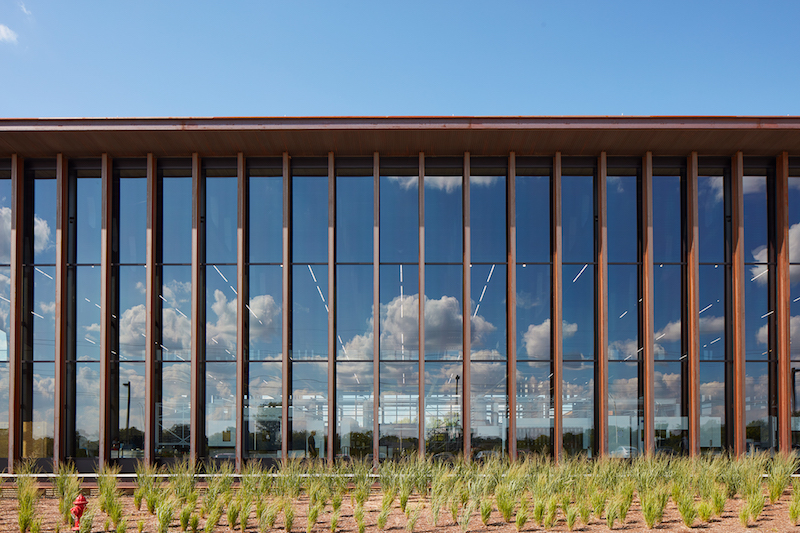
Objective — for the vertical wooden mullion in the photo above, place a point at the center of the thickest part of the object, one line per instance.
(783, 302)
(376, 308)
(601, 308)
(466, 385)
(153, 241)
(421, 403)
(286, 308)
(241, 309)
(331, 306)
(737, 301)
(692, 332)
(511, 304)
(197, 429)
(15, 312)
(62, 304)
(106, 294)
(648, 309)
(556, 310)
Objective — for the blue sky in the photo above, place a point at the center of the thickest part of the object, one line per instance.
(305, 58)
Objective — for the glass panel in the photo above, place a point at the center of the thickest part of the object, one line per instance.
(577, 218)
(624, 410)
(265, 320)
(489, 399)
(5, 310)
(760, 409)
(443, 312)
(577, 408)
(755, 219)
(443, 219)
(87, 219)
(132, 312)
(711, 218)
(622, 202)
(4, 408)
(176, 313)
(712, 312)
(488, 317)
(5, 220)
(399, 232)
(487, 224)
(309, 312)
(671, 423)
(354, 312)
(86, 409)
(623, 313)
(399, 293)
(795, 406)
(354, 414)
(578, 311)
(221, 313)
(87, 314)
(533, 311)
(37, 406)
(174, 410)
(757, 314)
(310, 219)
(221, 219)
(221, 410)
(712, 406)
(399, 410)
(443, 389)
(667, 217)
(667, 311)
(132, 220)
(533, 218)
(534, 409)
(266, 219)
(263, 410)
(308, 412)
(130, 428)
(177, 220)
(355, 219)
(44, 222)
(44, 311)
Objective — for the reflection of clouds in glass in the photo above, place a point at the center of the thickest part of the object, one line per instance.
(406, 182)
(48, 308)
(265, 317)
(667, 385)
(41, 235)
(87, 400)
(715, 185)
(537, 338)
(447, 184)
(754, 184)
(712, 390)
(712, 324)
(177, 293)
(624, 388)
(132, 326)
(355, 377)
(223, 331)
(483, 181)
(762, 336)
(623, 349)
(44, 386)
(616, 182)
(526, 300)
(175, 380)
(760, 255)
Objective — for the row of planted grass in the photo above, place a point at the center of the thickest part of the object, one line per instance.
(537, 490)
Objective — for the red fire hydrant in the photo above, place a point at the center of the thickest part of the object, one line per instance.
(79, 505)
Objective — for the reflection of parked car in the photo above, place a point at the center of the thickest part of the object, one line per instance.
(381, 457)
(444, 457)
(485, 455)
(624, 452)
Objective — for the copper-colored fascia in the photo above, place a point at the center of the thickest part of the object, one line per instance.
(580, 135)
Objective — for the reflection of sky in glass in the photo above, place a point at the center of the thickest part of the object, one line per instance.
(87, 409)
(711, 218)
(443, 312)
(37, 436)
(265, 195)
(221, 219)
(489, 424)
(712, 312)
(132, 373)
(399, 313)
(43, 313)
(176, 313)
(354, 336)
(488, 316)
(443, 219)
(533, 311)
(310, 219)
(399, 231)
(577, 218)
(757, 318)
(755, 219)
(309, 312)
(533, 218)
(220, 406)
(623, 407)
(132, 324)
(577, 407)
(221, 314)
(354, 219)
(399, 405)
(443, 389)
(534, 418)
(354, 416)
(133, 220)
(487, 220)
(5, 307)
(263, 410)
(174, 411)
(621, 201)
(794, 269)
(308, 412)
(87, 219)
(3, 409)
(712, 405)
(668, 400)
(87, 313)
(667, 311)
(623, 313)
(177, 220)
(44, 222)
(667, 219)
(265, 316)
(761, 428)
(578, 311)
(5, 221)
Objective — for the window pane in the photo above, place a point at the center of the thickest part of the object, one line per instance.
(5, 234)
(310, 219)
(443, 389)
(221, 219)
(755, 219)
(177, 220)
(623, 313)
(761, 410)
(87, 219)
(577, 218)
(38, 381)
(533, 218)
(354, 312)
(355, 219)
(308, 413)
(130, 426)
(489, 402)
(309, 312)
(671, 423)
(266, 218)
(578, 311)
(221, 409)
(399, 321)
(4, 408)
(443, 312)
(399, 410)
(712, 312)
(533, 311)
(487, 221)
(176, 313)
(622, 201)
(488, 316)
(85, 407)
(87, 314)
(265, 313)
(263, 410)
(712, 406)
(667, 219)
(43, 313)
(174, 410)
(132, 220)
(624, 410)
(534, 409)
(354, 414)
(132, 323)
(443, 219)
(221, 313)
(578, 408)
(758, 317)
(44, 222)
(667, 311)
(711, 218)
(399, 232)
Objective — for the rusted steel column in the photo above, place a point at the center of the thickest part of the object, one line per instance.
(737, 301)
(198, 378)
(601, 308)
(331, 306)
(62, 304)
(153, 305)
(241, 308)
(286, 388)
(692, 331)
(466, 385)
(511, 304)
(376, 308)
(107, 309)
(783, 301)
(16, 340)
(648, 310)
(421, 403)
(556, 310)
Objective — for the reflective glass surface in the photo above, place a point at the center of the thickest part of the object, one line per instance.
(443, 219)
(761, 409)
(712, 312)
(487, 221)
(443, 389)
(265, 195)
(534, 408)
(578, 311)
(87, 313)
(443, 312)
(758, 317)
(221, 409)
(489, 402)
(577, 408)
(88, 219)
(711, 218)
(354, 413)
(622, 202)
(132, 220)
(44, 222)
(4, 408)
(398, 410)
(265, 313)
(623, 313)
(310, 219)
(221, 313)
(5, 310)
(221, 219)
(354, 335)
(533, 218)
(44, 312)
(263, 410)
(624, 410)
(37, 407)
(488, 316)
(177, 220)
(130, 423)
(577, 218)
(667, 311)
(174, 410)
(399, 231)
(671, 423)
(309, 312)
(794, 269)
(308, 412)
(355, 219)
(176, 313)
(713, 434)
(399, 318)
(755, 219)
(85, 409)
(667, 219)
(533, 311)
(5, 220)
(132, 323)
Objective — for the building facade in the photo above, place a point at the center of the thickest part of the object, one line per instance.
(377, 287)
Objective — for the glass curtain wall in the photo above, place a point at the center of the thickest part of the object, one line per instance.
(398, 409)
(794, 297)
(5, 301)
(534, 401)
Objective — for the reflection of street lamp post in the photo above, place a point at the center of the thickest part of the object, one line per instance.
(127, 418)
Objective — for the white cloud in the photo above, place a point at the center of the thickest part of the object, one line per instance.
(24, 9)
(447, 184)
(48, 308)
(753, 184)
(670, 333)
(41, 235)
(41, 232)
(7, 34)
(712, 324)
(537, 337)
(715, 184)
(483, 181)
(406, 182)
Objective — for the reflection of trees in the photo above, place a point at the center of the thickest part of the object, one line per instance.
(267, 434)
(174, 441)
(444, 434)
(539, 445)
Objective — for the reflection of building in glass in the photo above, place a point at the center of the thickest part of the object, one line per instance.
(375, 288)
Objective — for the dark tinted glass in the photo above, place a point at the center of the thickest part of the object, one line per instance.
(667, 311)
(87, 219)
(310, 219)
(221, 219)
(487, 220)
(44, 222)
(758, 316)
(711, 215)
(399, 233)
(87, 313)
(533, 218)
(712, 312)
(667, 219)
(755, 219)
(177, 220)
(577, 217)
(44, 313)
(622, 204)
(133, 220)
(443, 219)
(354, 219)
(578, 311)
(623, 313)
(266, 218)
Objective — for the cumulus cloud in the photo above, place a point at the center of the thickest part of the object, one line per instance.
(7, 34)
(712, 324)
(406, 182)
(623, 349)
(42, 233)
(670, 333)
(753, 184)
(48, 308)
(483, 181)
(715, 183)
(536, 338)
(447, 184)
